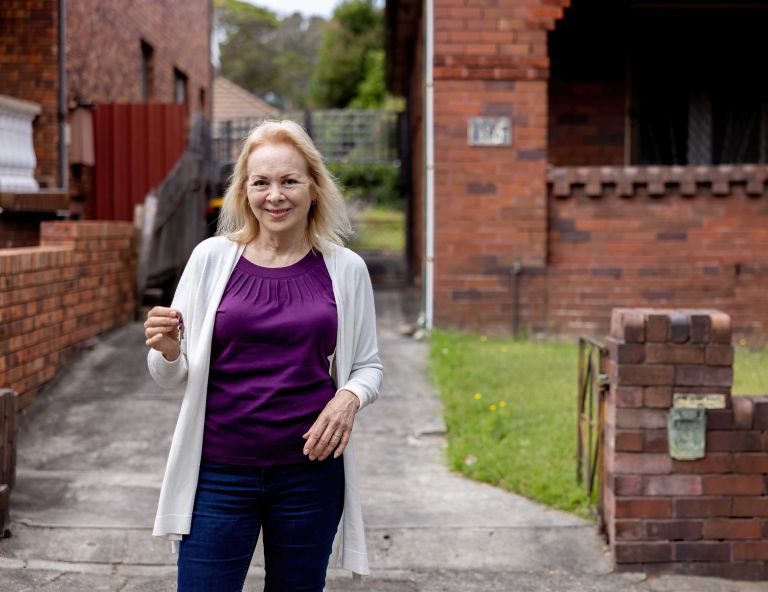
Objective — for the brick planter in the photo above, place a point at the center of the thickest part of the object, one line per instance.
(707, 516)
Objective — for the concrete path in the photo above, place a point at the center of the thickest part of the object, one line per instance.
(92, 451)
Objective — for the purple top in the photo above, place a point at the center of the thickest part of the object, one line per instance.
(275, 330)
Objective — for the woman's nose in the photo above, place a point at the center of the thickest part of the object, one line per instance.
(274, 191)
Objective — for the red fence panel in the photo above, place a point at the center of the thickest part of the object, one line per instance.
(136, 146)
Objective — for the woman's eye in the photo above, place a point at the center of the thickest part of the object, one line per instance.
(290, 181)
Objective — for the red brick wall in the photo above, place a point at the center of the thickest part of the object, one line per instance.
(704, 517)
(693, 238)
(587, 84)
(29, 70)
(698, 241)
(77, 283)
(104, 48)
(490, 60)
(586, 123)
(103, 57)
(641, 236)
(20, 229)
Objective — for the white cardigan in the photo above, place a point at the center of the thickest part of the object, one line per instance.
(355, 366)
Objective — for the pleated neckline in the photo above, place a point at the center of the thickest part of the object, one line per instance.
(294, 269)
(305, 281)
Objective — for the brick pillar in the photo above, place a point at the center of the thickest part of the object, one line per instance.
(682, 516)
(490, 61)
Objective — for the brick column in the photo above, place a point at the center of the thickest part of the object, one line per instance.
(491, 60)
(708, 516)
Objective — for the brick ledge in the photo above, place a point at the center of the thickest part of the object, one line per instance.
(561, 181)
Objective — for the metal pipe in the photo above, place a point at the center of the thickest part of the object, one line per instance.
(517, 270)
(63, 168)
(429, 260)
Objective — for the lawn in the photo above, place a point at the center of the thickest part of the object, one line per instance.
(510, 410)
(380, 229)
(750, 372)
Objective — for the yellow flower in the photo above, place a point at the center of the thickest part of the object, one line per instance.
(742, 342)
(504, 348)
(502, 403)
(492, 407)
(483, 338)
(478, 396)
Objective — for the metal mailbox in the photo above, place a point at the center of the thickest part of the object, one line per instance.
(687, 424)
(687, 431)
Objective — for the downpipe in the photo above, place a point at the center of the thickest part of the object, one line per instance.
(429, 134)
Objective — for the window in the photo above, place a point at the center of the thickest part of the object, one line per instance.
(696, 97)
(179, 86)
(147, 71)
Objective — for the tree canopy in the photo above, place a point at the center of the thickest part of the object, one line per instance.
(269, 57)
(348, 57)
(299, 62)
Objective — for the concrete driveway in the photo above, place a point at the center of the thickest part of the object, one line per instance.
(92, 451)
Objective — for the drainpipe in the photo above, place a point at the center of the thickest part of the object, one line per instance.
(429, 261)
(517, 269)
(63, 168)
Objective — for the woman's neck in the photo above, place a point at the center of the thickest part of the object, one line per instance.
(275, 249)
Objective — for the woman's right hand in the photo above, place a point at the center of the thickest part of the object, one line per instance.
(162, 331)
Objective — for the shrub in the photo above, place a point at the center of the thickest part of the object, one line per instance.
(376, 184)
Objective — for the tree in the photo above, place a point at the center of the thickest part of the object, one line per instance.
(371, 93)
(345, 61)
(271, 58)
(298, 41)
(248, 52)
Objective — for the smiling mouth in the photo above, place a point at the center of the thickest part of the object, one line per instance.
(279, 212)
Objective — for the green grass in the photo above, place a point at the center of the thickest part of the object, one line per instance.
(750, 372)
(528, 445)
(380, 229)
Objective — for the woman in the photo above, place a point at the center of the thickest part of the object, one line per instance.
(273, 329)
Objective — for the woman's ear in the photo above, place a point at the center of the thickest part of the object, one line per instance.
(313, 194)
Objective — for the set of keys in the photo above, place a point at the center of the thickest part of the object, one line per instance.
(181, 327)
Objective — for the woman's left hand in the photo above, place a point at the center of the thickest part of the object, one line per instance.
(333, 426)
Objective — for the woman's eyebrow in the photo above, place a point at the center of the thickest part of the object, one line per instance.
(260, 176)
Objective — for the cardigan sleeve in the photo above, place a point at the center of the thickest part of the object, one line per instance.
(172, 374)
(367, 371)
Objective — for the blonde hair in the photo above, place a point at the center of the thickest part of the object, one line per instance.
(327, 218)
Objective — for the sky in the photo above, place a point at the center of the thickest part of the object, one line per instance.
(322, 8)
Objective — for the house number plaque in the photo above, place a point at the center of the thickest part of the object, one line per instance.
(489, 131)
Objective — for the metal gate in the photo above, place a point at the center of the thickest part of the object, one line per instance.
(136, 145)
(341, 135)
(592, 391)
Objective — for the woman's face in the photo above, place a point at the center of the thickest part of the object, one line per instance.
(278, 188)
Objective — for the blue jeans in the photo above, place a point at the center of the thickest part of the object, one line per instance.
(297, 506)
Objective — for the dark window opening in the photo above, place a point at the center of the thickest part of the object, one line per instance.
(696, 96)
(179, 87)
(147, 72)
